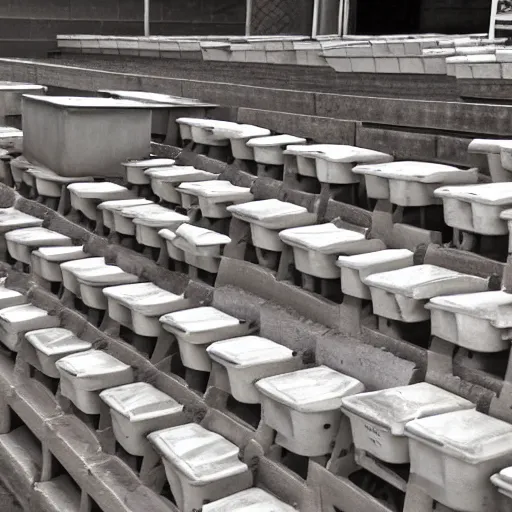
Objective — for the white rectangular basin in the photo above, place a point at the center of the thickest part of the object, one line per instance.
(402, 294)
(248, 359)
(75, 136)
(378, 418)
(454, 455)
(201, 466)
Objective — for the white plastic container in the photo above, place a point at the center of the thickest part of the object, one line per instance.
(10, 297)
(50, 184)
(109, 207)
(11, 139)
(402, 294)
(316, 248)
(139, 306)
(46, 261)
(202, 248)
(454, 455)
(270, 150)
(11, 93)
(69, 270)
(202, 131)
(270, 216)
(10, 219)
(474, 321)
(165, 109)
(477, 208)
(304, 408)
(172, 251)
(411, 183)
(52, 344)
(506, 154)
(503, 482)
(378, 418)
(138, 409)
(92, 281)
(214, 197)
(164, 181)
(201, 466)
(123, 217)
(84, 375)
(15, 321)
(356, 268)
(251, 500)
(239, 136)
(85, 197)
(197, 328)
(135, 169)
(333, 163)
(75, 136)
(21, 242)
(150, 220)
(250, 358)
(492, 149)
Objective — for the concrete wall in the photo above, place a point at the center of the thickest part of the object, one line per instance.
(28, 27)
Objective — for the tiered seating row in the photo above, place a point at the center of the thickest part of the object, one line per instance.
(428, 54)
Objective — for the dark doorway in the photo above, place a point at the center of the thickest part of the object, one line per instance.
(381, 17)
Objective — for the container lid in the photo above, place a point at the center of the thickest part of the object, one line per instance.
(505, 475)
(37, 236)
(130, 212)
(79, 265)
(242, 131)
(47, 175)
(179, 174)
(94, 190)
(120, 204)
(275, 141)
(494, 306)
(251, 500)
(393, 408)
(90, 363)
(466, 435)
(273, 214)
(167, 234)
(498, 194)
(201, 237)
(7, 293)
(198, 320)
(366, 263)
(423, 172)
(158, 216)
(12, 217)
(339, 153)
(59, 254)
(55, 341)
(203, 456)
(426, 281)
(106, 275)
(156, 98)
(217, 191)
(193, 121)
(248, 351)
(485, 146)
(146, 298)
(149, 163)
(329, 239)
(20, 314)
(77, 102)
(18, 86)
(140, 401)
(313, 390)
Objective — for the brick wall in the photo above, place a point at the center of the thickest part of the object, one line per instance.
(29, 27)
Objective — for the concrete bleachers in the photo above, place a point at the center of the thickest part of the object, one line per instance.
(215, 275)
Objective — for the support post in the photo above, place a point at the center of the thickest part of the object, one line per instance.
(146, 18)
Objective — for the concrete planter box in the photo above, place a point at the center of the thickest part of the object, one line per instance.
(85, 136)
(11, 93)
